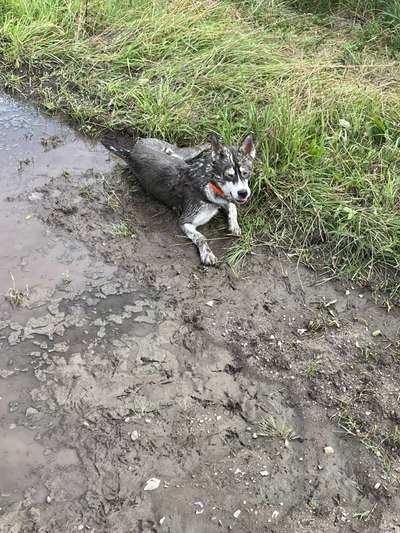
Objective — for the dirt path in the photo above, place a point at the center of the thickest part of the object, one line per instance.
(128, 361)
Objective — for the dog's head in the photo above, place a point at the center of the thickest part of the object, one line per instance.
(232, 168)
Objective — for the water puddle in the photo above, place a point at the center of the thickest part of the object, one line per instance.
(34, 148)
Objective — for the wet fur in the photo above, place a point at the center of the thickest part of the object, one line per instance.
(180, 178)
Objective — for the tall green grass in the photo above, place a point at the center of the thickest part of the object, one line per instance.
(322, 101)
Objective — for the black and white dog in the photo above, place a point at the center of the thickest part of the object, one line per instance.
(195, 182)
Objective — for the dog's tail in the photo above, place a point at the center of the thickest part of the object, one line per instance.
(120, 151)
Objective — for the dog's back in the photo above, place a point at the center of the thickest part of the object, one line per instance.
(161, 174)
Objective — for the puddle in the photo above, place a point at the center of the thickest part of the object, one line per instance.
(20, 456)
(33, 148)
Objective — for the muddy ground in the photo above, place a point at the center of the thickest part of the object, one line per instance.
(123, 360)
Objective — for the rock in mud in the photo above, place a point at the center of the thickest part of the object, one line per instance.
(31, 411)
(152, 484)
(328, 450)
(135, 436)
(6, 373)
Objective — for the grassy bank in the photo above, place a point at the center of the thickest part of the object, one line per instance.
(317, 85)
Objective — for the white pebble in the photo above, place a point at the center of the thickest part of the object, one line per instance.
(152, 484)
(328, 450)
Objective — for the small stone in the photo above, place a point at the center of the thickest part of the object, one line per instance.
(48, 499)
(31, 411)
(236, 514)
(275, 515)
(377, 486)
(162, 520)
(110, 288)
(264, 473)
(328, 450)
(152, 484)
(81, 527)
(60, 347)
(116, 319)
(201, 507)
(377, 333)
(210, 303)
(6, 373)
(255, 436)
(134, 435)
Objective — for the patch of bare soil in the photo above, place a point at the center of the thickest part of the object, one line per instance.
(143, 393)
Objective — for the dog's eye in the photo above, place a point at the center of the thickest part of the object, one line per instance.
(244, 172)
(229, 173)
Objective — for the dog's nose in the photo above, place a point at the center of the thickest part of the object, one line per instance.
(242, 194)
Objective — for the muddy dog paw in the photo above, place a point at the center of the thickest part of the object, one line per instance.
(207, 257)
(235, 231)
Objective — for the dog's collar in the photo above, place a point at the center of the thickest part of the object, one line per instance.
(216, 190)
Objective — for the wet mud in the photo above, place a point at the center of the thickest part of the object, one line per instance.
(141, 392)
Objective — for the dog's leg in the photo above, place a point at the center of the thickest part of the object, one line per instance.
(197, 215)
(233, 224)
(206, 255)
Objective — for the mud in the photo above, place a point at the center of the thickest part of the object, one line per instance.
(125, 361)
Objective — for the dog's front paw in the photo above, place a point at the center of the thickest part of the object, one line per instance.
(208, 258)
(235, 230)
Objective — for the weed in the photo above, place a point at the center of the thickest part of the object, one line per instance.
(393, 439)
(321, 323)
(313, 505)
(365, 515)
(369, 355)
(271, 428)
(16, 297)
(86, 191)
(121, 230)
(312, 368)
(373, 437)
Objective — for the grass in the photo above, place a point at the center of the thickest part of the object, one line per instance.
(320, 95)
(313, 367)
(121, 231)
(378, 438)
(272, 428)
(365, 516)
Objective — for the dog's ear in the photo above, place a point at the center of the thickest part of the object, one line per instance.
(215, 145)
(247, 148)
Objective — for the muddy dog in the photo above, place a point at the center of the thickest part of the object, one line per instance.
(195, 182)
